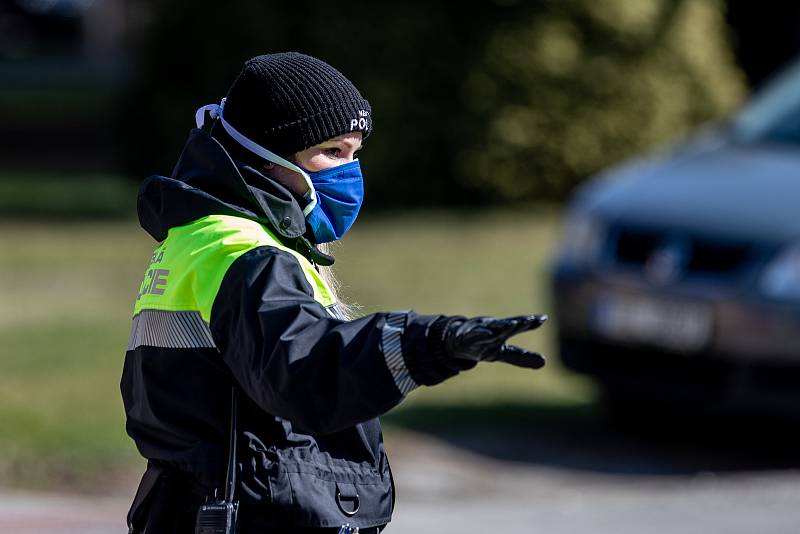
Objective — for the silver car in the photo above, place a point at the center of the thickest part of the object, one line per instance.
(678, 276)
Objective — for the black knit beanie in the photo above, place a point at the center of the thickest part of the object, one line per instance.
(288, 102)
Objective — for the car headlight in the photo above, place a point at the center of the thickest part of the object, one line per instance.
(781, 278)
(582, 240)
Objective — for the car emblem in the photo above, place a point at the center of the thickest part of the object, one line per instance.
(663, 266)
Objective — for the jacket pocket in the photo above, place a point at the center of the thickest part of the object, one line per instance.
(303, 494)
(306, 487)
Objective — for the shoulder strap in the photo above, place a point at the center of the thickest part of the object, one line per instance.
(230, 479)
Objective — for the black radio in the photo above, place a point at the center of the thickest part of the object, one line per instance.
(217, 518)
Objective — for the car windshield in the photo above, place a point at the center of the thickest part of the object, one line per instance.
(773, 114)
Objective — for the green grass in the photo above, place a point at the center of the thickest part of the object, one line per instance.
(64, 321)
(69, 289)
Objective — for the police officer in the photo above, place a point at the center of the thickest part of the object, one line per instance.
(238, 294)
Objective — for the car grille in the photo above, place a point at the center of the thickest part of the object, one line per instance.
(635, 248)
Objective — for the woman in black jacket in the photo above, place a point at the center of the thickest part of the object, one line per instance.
(238, 294)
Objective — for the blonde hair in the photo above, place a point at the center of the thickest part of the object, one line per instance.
(348, 310)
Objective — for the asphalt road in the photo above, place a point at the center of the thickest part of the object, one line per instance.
(544, 481)
(446, 490)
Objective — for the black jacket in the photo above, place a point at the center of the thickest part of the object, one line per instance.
(310, 444)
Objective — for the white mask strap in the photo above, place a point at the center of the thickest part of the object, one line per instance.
(215, 111)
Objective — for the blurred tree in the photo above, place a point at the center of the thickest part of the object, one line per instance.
(473, 102)
(575, 86)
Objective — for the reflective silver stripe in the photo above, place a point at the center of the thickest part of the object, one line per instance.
(335, 312)
(170, 330)
(391, 345)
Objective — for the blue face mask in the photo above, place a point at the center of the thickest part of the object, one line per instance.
(340, 192)
(334, 197)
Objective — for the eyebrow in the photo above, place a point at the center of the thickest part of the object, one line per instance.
(348, 144)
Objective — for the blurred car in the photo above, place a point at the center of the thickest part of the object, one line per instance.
(678, 274)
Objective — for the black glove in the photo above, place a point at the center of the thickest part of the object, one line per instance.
(456, 344)
(483, 339)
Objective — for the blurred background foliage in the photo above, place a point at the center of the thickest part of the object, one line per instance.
(490, 102)
(494, 101)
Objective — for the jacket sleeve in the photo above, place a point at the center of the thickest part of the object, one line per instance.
(299, 362)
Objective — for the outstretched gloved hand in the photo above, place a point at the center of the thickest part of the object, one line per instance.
(483, 339)
(457, 343)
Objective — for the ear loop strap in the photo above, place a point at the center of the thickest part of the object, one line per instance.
(215, 111)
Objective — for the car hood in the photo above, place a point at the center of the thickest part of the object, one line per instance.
(726, 190)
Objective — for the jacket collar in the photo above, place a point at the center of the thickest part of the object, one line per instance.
(207, 181)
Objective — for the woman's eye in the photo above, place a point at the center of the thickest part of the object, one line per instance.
(333, 152)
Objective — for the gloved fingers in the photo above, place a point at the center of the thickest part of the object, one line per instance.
(511, 326)
(525, 323)
(520, 357)
(483, 338)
